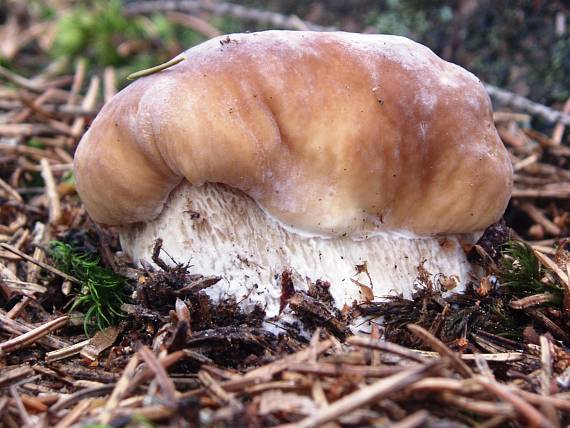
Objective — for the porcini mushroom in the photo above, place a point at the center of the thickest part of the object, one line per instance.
(318, 153)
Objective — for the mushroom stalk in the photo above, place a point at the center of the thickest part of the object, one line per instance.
(222, 231)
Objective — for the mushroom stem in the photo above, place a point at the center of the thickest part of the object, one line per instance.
(222, 231)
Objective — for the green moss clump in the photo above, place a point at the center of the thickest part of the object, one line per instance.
(522, 275)
(101, 292)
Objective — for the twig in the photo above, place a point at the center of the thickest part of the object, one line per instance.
(88, 103)
(497, 357)
(78, 78)
(53, 109)
(120, 390)
(549, 324)
(561, 193)
(40, 234)
(387, 347)
(328, 369)
(32, 335)
(534, 300)
(109, 84)
(9, 376)
(162, 378)
(535, 214)
(20, 327)
(146, 373)
(553, 267)
(478, 406)
(51, 193)
(29, 130)
(278, 20)
(559, 403)
(19, 80)
(70, 400)
(533, 416)
(72, 416)
(269, 370)
(218, 391)
(66, 352)
(558, 132)
(507, 116)
(546, 378)
(463, 386)
(10, 191)
(197, 24)
(25, 418)
(442, 349)
(524, 104)
(39, 263)
(366, 395)
(414, 420)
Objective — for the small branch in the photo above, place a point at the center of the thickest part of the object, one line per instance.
(120, 390)
(19, 80)
(538, 217)
(193, 22)
(20, 327)
(217, 391)
(278, 20)
(367, 395)
(39, 263)
(546, 378)
(29, 130)
(166, 361)
(32, 335)
(54, 204)
(534, 300)
(392, 348)
(10, 191)
(88, 103)
(10, 376)
(166, 384)
(66, 352)
(524, 104)
(563, 192)
(24, 416)
(437, 345)
(533, 416)
(71, 417)
(414, 420)
(109, 84)
(549, 264)
(328, 369)
(558, 132)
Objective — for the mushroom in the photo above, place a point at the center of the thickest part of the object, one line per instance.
(348, 158)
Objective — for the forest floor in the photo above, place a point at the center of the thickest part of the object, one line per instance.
(77, 349)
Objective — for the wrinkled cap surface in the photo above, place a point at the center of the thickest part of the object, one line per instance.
(331, 133)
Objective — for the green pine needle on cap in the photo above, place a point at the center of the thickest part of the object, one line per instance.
(156, 69)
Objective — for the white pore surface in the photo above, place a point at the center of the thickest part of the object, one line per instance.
(223, 232)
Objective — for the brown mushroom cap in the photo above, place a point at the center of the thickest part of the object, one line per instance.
(331, 133)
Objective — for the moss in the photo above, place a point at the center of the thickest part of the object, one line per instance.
(101, 292)
(521, 273)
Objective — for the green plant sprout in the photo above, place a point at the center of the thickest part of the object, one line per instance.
(521, 273)
(102, 291)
